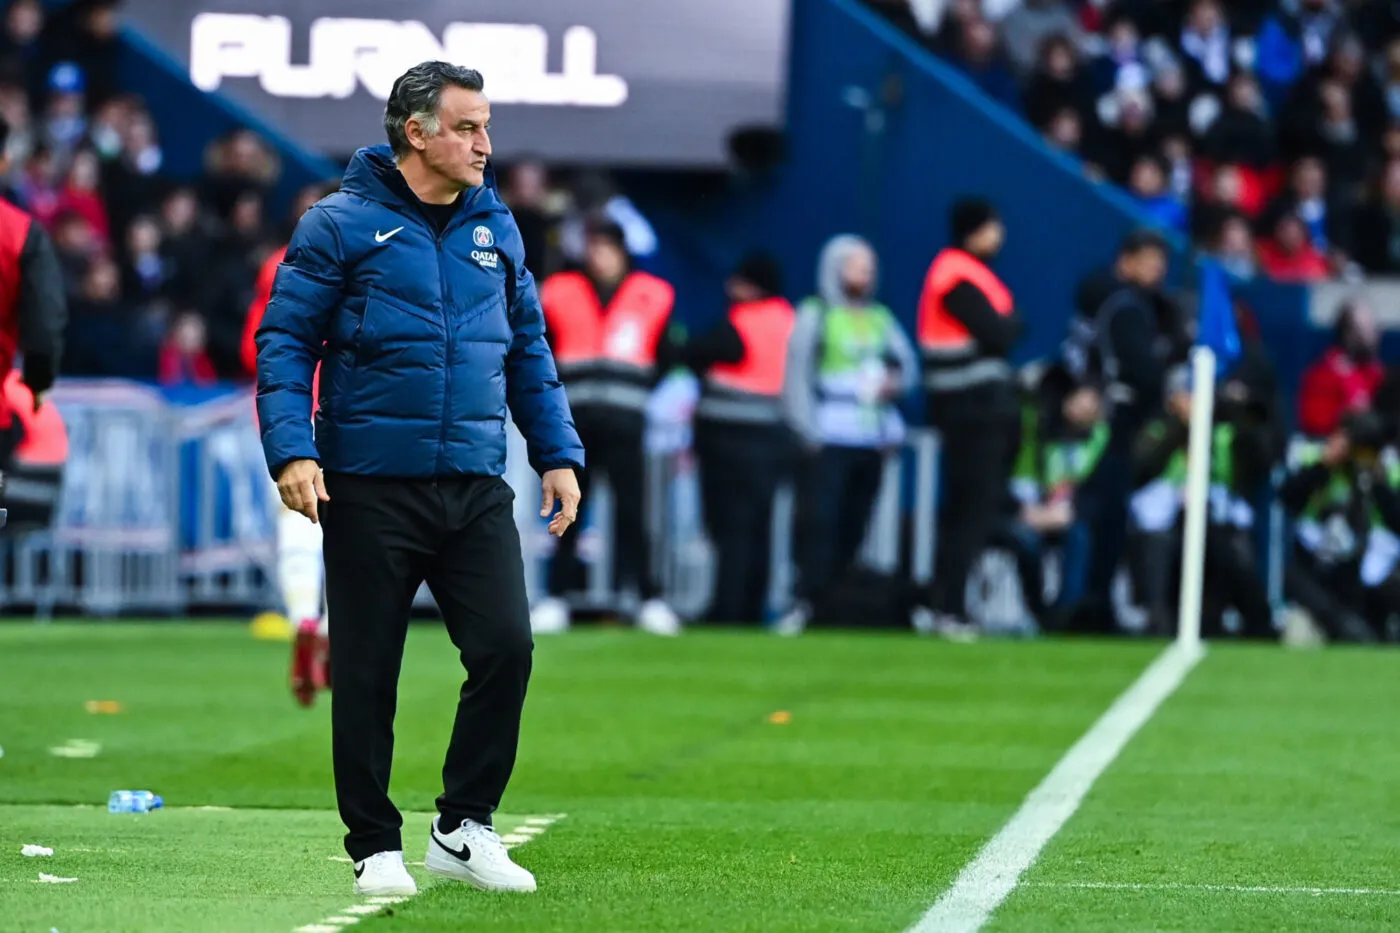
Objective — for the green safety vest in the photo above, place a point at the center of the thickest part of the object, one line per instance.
(1336, 495)
(1047, 465)
(1222, 463)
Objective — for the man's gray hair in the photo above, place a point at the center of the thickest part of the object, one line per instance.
(417, 95)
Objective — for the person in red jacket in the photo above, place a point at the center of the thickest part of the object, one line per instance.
(33, 309)
(1346, 377)
(299, 562)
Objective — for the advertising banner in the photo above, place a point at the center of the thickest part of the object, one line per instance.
(621, 82)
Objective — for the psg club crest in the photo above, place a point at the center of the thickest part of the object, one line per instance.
(483, 237)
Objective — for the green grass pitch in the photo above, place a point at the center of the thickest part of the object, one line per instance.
(1263, 796)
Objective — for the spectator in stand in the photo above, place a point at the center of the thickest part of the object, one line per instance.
(86, 32)
(80, 194)
(1241, 134)
(77, 246)
(101, 329)
(1148, 184)
(1058, 82)
(1034, 25)
(234, 166)
(1289, 254)
(37, 187)
(1125, 126)
(1123, 48)
(1347, 376)
(1327, 218)
(979, 57)
(1233, 248)
(1171, 95)
(21, 48)
(1065, 131)
(1377, 247)
(187, 245)
(65, 115)
(1206, 41)
(145, 271)
(1292, 39)
(132, 181)
(184, 357)
(14, 108)
(1337, 111)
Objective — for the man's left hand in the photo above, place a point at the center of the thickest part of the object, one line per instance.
(560, 484)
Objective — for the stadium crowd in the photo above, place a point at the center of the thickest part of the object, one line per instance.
(1268, 131)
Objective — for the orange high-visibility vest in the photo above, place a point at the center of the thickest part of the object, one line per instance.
(625, 332)
(950, 355)
(764, 327)
(14, 231)
(937, 328)
(45, 441)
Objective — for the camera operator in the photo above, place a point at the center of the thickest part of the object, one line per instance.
(1343, 493)
(1241, 456)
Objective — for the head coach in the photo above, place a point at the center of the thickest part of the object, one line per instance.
(409, 287)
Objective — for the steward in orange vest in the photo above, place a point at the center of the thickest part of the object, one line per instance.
(968, 323)
(606, 326)
(967, 326)
(746, 448)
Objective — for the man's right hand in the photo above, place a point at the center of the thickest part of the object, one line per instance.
(301, 486)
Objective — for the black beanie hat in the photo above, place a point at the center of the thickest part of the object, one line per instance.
(606, 229)
(761, 270)
(969, 215)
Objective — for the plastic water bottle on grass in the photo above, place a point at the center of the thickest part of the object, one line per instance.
(133, 801)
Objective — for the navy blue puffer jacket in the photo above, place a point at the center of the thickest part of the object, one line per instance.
(424, 339)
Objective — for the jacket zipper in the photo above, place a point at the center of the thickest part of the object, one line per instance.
(447, 367)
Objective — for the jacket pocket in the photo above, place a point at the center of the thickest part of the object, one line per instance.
(386, 322)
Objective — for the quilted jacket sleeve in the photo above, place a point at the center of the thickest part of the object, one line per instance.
(533, 390)
(306, 291)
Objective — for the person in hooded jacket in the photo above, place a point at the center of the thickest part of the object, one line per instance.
(848, 365)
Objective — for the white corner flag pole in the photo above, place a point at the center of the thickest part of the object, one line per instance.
(1193, 548)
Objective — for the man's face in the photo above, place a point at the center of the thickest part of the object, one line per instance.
(987, 240)
(858, 272)
(462, 144)
(1147, 267)
(605, 261)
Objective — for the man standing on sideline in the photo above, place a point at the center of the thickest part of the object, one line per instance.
(968, 324)
(605, 325)
(1132, 344)
(408, 285)
(741, 434)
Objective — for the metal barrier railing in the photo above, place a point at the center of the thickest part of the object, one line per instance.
(168, 508)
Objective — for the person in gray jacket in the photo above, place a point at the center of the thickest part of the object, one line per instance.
(848, 364)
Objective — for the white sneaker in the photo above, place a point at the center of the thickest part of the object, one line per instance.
(658, 618)
(794, 623)
(550, 617)
(383, 874)
(474, 853)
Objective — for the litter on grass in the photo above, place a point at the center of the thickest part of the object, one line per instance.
(76, 748)
(32, 851)
(102, 707)
(54, 879)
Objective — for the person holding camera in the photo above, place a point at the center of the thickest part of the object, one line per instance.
(1344, 493)
(1241, 458)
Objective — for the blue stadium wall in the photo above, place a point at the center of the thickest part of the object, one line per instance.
(941, 139)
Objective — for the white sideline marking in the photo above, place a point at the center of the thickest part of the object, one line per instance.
(1226, 888)
(349, 916)
(989, 878)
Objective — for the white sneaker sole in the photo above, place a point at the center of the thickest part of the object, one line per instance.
(458, 870)
(387, 890)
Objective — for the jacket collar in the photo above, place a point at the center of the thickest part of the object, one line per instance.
(374, 175)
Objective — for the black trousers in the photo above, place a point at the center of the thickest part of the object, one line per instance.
(1101, 502)
(976, 468)
(741, 467)
(1335, 597)
(837, 488)
(618, 452)
(383, 538)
